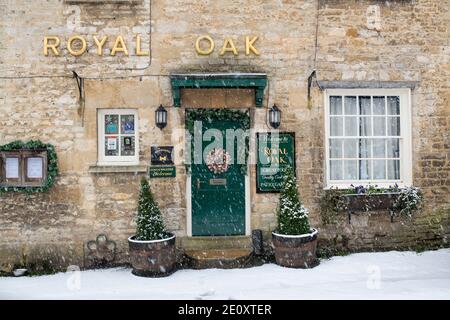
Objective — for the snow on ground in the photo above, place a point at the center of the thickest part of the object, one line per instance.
(388, 275)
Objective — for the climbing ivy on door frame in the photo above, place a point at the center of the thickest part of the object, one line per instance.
(241, 117)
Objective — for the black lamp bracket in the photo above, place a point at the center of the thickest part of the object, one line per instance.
(81, 100)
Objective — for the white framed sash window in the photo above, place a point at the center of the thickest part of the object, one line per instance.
(368, 137)
(118, 139)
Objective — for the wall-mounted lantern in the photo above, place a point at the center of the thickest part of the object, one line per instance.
(274, 117)
(161, 117)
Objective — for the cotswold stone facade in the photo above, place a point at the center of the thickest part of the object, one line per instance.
(358, 43)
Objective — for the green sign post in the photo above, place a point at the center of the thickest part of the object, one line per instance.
(275, 153)
(162, 172)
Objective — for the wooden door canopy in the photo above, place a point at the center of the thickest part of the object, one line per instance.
(257, 81)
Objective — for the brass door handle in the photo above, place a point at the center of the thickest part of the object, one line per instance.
(198, 183)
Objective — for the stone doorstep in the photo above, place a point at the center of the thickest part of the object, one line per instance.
(218, 254)
(219, 258)
(215, 243)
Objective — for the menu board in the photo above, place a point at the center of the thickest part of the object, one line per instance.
(275, 153)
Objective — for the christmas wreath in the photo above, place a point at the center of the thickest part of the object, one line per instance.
(242, 117)
(218, 160)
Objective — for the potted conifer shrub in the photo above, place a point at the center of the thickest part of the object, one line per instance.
(294, 241)
(152, 248)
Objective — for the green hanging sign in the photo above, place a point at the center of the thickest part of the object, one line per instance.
(275, 153)
(162, 172)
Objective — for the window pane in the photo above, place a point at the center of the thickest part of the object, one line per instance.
(393, 105)
(365, 128)
(127, 124)
(336, 127)
(393, 167)
(379, 126)
(350, 105)
(336, 169)
(336, 148)
(393, 126)
(127, 146)
(365, 148)
(111, 146)
(350, 148)
(364, 106)
(379, 148)
(364, 169)
(111, 124)
(379, 106)
(350, 169)
(379, 169)
(335, 105)
(364, 151)
(34, 168)
(351, 126)
(393, 148)
(12, 168)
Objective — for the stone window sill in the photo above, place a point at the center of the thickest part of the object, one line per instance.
(118, 169)
(102, 1)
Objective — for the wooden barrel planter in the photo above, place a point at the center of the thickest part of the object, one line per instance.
(154, 258)
(296, 251)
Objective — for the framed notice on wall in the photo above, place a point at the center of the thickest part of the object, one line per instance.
(162, 172)
(161, 155)
(274, 153)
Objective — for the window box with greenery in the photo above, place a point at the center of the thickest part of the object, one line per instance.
(396, 200)
(152, 248)
(27, 166)
(294, 241)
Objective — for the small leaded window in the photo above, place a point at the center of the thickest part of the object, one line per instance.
(118, 136)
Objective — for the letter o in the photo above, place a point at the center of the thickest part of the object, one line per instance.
(211, 45)
(83, 47)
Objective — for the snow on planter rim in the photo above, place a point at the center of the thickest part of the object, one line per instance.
(297, 236)
(151, 241)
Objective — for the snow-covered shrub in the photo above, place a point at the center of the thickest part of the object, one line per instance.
(409, 200)
(150, 225)
(291, 213)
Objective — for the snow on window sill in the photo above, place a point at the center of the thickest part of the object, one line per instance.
(366, 185)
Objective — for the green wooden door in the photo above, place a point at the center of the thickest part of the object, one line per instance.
(218, 199)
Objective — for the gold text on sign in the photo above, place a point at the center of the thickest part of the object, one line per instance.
(76, 45)
(275, 155)
(204, 45)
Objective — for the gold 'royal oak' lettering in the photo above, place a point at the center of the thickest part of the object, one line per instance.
(53, 46)
(80, 51)
(204, 45)
(77, 45)
(119, 45)
(201, 51)
(100, 44)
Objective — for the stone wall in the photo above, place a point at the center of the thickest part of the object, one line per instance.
(357, 41)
